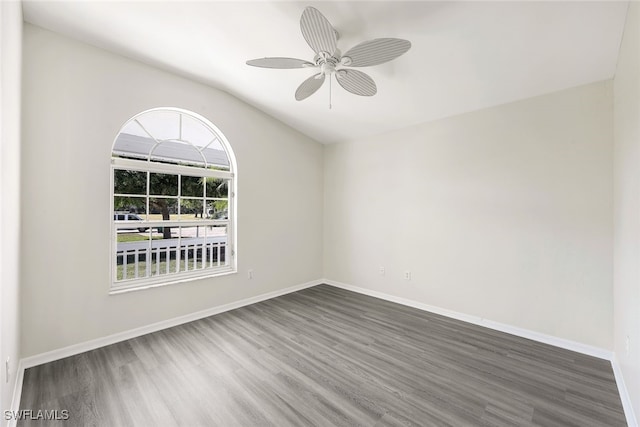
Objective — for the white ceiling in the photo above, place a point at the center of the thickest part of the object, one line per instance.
(465, 55)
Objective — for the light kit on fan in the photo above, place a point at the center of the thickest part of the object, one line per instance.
(323, 38)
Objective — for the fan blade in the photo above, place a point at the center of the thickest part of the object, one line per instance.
(309, 86)
(281, 63)
(356, 82)
(376, 51)
(317, 31)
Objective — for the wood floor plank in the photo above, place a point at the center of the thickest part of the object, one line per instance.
(326, 356)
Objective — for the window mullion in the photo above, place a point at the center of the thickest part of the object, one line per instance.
(169, 168)
(179, 201)
(147, 207)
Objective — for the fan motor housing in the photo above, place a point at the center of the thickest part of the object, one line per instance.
(327, 62)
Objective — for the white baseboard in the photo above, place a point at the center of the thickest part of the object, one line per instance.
(17, 393)
(74, 349)
(624, 394)
(502, 327)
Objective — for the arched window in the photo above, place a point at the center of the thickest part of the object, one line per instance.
(173, 200)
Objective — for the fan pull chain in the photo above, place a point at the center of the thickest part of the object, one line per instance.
(329, 92)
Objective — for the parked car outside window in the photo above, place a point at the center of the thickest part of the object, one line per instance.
(129, 217)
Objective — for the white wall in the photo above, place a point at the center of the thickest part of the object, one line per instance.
(76, 97)
(626, 288)
(10, 66)
(504, 213)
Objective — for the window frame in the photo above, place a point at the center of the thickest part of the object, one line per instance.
(118, 286)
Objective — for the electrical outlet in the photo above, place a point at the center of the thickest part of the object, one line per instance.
(627, 344)
(250, 274)
(382, 271)
(6, 370)
(407, 275)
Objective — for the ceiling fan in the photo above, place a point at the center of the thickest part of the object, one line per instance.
(322, 38)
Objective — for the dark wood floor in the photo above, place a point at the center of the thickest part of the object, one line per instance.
(325, 356)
